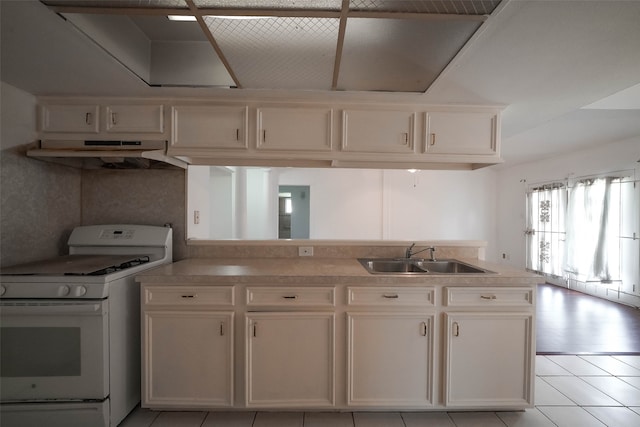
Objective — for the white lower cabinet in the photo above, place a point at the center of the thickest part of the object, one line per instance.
(488, 359)
(187, 346)
(390, 359)
(342, 347)
(290, 359)
(188, 359)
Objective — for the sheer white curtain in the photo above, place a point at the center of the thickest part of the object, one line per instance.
(592, 250)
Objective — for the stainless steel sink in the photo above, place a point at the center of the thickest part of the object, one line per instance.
(418, 266)
(391, 265)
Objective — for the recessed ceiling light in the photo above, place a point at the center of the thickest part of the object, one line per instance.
(181, 17)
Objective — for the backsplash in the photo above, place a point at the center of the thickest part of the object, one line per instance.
(288, 249)
(136, 196)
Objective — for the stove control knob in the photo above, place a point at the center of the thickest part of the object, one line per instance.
(80, 291)
(3, 290)
(64, 290)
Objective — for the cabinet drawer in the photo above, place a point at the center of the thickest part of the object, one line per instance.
(390, 296)
(488, 296)
(291, 296)
(188, 295)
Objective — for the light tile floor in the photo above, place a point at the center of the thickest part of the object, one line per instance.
(580, 391)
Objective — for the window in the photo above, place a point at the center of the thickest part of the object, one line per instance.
(582, 229)
(546, 229)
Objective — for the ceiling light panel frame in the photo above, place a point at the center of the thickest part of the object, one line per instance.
(318, 44)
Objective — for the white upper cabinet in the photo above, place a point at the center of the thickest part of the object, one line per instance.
(378, 131)
(210, 126)
(62, 118)
(134, 118)
(287, 132)
(469, 133)
(294, 129)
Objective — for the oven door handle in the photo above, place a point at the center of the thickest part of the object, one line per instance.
(31, 309)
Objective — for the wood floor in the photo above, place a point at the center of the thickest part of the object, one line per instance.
(570, 322)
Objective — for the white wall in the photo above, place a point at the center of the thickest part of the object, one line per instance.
(512, 184)
(441, 205)
(345, 203)
(363, 204)
(198, 199)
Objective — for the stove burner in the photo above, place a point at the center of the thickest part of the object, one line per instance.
(114, 268)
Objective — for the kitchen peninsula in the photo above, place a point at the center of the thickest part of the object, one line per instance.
(321, 333)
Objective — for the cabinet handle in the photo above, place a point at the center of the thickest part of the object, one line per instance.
(255, 327)
(456, 329)
(221, 329)
(264, 135)
(290, 297)
(433, 139)
(114, 118)
(405, 138)
(237, 134)
(189, 296)
(390, 296)
(424, 328)
(87, 118)
(489, 297)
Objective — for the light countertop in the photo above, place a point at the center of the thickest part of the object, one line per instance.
(318, 271)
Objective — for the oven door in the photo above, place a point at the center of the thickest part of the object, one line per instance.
(53, 350)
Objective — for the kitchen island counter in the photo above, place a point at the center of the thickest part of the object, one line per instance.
(242, 332)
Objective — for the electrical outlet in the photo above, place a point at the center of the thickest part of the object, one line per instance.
(196, 217)
(305, 250)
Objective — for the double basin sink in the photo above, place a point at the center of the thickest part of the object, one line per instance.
(412, 266)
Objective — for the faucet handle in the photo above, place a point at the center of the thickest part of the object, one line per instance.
(407, 252)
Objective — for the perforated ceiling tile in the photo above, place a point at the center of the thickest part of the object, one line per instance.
(271, 4)
(458, 7)
(278, 53)
(173, 4)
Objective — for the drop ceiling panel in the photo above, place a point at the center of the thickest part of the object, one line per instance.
(271, 4)
(149, 4)
(457, 7)
(278, 53)
(399, 55)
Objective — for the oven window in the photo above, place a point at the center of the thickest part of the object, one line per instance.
(40, 352)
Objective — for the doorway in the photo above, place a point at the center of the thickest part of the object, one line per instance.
(294, 207)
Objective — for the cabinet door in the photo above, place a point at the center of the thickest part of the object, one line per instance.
(372, 131)
(290, 359)
(134, 118)
(209, 127)
(390, 359)
(488, 360)
(461, 133)
(297, 129)
(188, 359)
(69, 118)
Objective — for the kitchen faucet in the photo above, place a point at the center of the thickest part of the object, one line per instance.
(408, 253)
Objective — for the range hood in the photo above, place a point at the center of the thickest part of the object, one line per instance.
(110, 154)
